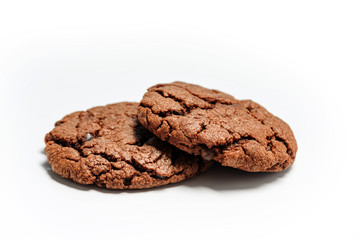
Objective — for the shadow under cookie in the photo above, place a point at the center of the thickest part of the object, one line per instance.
(221, 179)
(218, 178)
(92, 187)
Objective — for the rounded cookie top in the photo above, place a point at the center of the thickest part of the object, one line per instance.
(237, 133)
(108, 147)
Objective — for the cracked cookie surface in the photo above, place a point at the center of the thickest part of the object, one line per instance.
(108, 147)
(237, 133)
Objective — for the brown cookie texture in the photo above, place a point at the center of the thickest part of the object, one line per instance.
(208, 123)
(108, 147)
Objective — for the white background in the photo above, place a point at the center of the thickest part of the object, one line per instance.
(299, 59)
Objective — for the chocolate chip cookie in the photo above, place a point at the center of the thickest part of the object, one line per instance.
(208, 123)
(108, 147)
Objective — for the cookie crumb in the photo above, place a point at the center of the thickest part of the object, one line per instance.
(88, 137)
(207, 154)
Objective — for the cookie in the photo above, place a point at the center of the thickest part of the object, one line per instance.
(208, 123)
(108, 147)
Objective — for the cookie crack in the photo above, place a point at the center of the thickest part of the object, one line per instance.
(239, 142)
(283, 165)
(187, 108)
(283, 141)
(158, 158)
(183, 105)
(171, 129)
(275, 135)
(143, 170)
(254, 116)
(212, 102)
(202, 128)
(63, 143)
(108, 157)
(161, 114)
(245, 152)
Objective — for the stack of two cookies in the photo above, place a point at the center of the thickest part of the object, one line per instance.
(176, 132)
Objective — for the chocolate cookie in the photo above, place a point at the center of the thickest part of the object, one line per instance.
(240, 134)
(108, 147)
